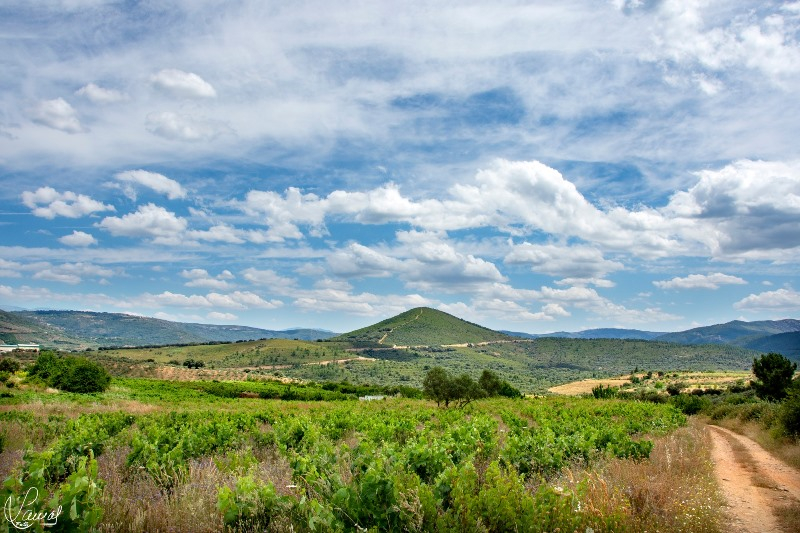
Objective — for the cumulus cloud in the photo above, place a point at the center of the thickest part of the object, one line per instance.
(57, 114)
(700, 281)
(778, 300)
(78, 238)
(339, 299)
(216, 316)
(48, 203)
(517, 197)
(269, 279)
(182, 84)
(100, 95)
(743, 208)
(178, 127)
(152, 180)
(10, 269)
(72, 273)
(423, 260)
(233, 300)
(199, 277)
(575, 262)
(694, 36)
(149, 221)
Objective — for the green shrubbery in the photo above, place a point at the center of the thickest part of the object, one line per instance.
(71, 374)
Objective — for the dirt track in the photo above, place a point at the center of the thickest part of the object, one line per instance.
(753, 482)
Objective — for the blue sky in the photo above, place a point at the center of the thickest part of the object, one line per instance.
(535, 166)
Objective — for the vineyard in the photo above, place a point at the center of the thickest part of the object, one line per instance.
(398, 465)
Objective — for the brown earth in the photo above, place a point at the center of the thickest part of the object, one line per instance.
(762, 492)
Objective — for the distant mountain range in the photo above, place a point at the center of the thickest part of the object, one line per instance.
(781, 336)
(421, 326)
(71, 330)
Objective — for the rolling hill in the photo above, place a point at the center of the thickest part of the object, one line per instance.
(86, 329)
(421, 326)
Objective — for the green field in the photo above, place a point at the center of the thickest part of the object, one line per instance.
(149, 455)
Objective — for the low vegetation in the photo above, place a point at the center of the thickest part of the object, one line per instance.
(72, 374)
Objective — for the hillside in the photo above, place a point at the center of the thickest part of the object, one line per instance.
(421, 326)
(16, 328)
(81, 329)
(787, 344)
(737, 332)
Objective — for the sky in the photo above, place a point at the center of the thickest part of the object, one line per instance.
(529, 166)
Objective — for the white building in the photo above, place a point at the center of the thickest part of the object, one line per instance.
(24, 347)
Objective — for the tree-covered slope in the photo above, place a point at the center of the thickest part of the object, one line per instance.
(787, 344)
(17, 328)
(91, 329)
(421, 326)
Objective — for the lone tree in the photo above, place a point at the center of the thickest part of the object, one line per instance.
(773, 374)
(436, 385)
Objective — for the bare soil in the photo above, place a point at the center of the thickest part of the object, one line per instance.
(760, 490)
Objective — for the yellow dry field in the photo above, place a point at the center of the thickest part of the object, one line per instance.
(585, 386)
(693, 380)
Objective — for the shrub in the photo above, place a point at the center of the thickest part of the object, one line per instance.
(675, 388)
(790, 411)
(82, 375)
(9, 365)
(689, 404)
(72, 374)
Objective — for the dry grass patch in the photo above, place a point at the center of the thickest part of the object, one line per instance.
(133, 502)
(674, 491)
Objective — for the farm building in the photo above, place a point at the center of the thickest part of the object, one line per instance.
(24, 347)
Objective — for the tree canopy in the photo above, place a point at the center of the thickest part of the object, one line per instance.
(441, 387)
(773, 374)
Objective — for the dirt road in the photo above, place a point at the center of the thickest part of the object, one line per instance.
(755, 484)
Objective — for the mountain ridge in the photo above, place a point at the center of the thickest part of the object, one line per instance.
(78, 330)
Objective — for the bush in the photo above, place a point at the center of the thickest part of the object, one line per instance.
(9, 365)
(790, 411)
(689, 404)
(71, 374)
(675, 388)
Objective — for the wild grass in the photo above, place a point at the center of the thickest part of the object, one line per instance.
(673, 491)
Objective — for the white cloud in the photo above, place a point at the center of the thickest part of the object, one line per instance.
(101, 95)
(423, 260)
(233, 300)
(216, 316)
(57, 114)
(744, 208)
(153, 180)
(78, 238)
(700, 281)
(695, 35)
(180, 127)
(221, 233)
(72, 273)
(271, 280)
(199, 277)
(182, 84)
(149, 221)
(333, 299)
(778, 300)
(10, 269)
(48, 203)
(576, 262)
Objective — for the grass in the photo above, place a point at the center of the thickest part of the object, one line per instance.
(674, 491)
